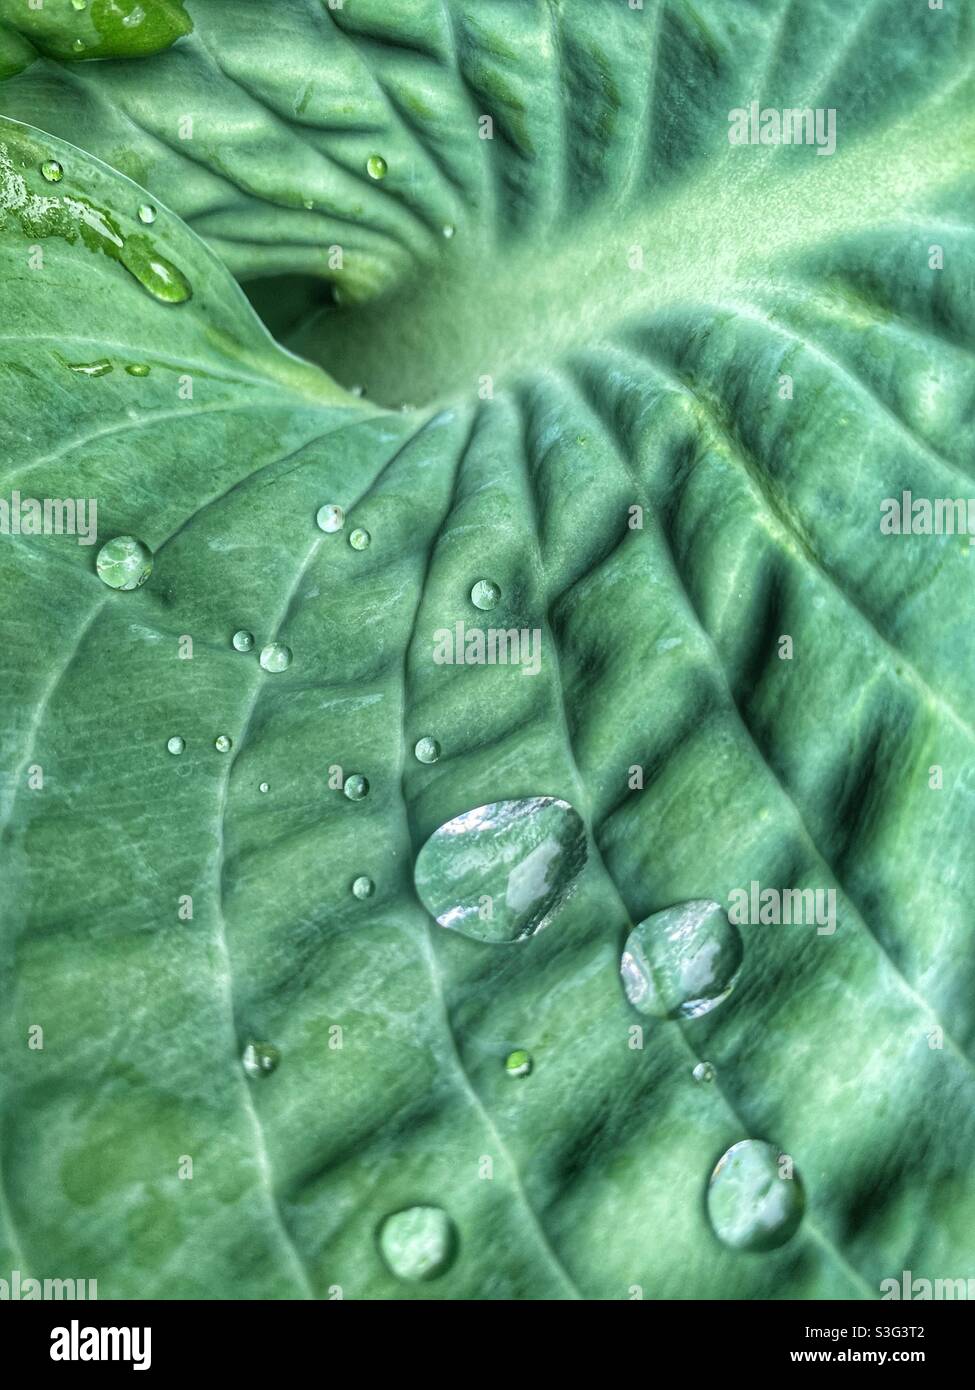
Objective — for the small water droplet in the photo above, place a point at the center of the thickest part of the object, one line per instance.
(359, 539)
(78, 45)
(260, 1058)
(330, 518)
(176, 744)
(222, 743)
(427, 750)
(91, 369)
(264, 787)
(52, 171)
(681, 963)
(147, 213)
(276, 657)
(518, 1063)
(500, 873)
(752, 1205)
(448, 230)
(356, 787)
(138, 369)
(418, 1243)
(124, 563)
(376, 166)
(357, 390)
(79, 5)
(363, 887)
(704, 1072)
(485, 594)
(243, 640)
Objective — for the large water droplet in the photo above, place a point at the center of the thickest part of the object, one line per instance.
(501, 872)
(222, 743)
(164, 281)
(376, 166)
(363, 887)
(418, 1243)
(356, 787)
(260, 1058)
(147, 214)
(427, 750)
(751, 1205)
(681, 962)
(359, 539)
(276, 657)
(124, 563)
(518, 1063)
(243, 640)
(485, 594)
(52, 171)
(331, 517)
(176, 744)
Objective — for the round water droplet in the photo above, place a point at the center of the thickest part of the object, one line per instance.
(448, 230)
(501, 872)
(138, 369)
(359, 539)
(376, 166)
(222, 743)
(147, 213)
(485, 594)
(243, 640)
(704, 1072)
(518, 1063)
(418, 1244)
(78, 45)
(276, 657)
(264, 787)
(363, 887)
(52, 171)
(427, 750)
(681, 962)
(124, 563)
(356, 787)
(753, 1203)
(176, 744)
(330, 518)
(260, 1058)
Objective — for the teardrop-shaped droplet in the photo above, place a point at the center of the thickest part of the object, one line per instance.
(331, 517)
(138, 368)
(147, 214)
(485, 594)
(243, 640)
(427, 750)
(359, 539)
(518, 1063)
(501, 872)
(363, 887)
(755, 1199)
(681, 962)
(260, 1058)
(704, 1072)
(176, 744)
(222, 743)
(376, 166)
(356, 787)
(275, 657)
(418, 1244)
(124, 563)
(163, 280)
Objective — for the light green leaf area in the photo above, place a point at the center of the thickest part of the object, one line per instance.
(617, 382)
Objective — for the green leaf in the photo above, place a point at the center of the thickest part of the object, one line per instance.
(663, 463)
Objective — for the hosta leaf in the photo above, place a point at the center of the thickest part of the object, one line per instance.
(661, 463)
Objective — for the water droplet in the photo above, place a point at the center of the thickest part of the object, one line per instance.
(501, 872)
(376, 166)
(276, 657)
(78, 45)
(222, 743)
(260, 1058)
(176, 744)
(418, 1244)
(100, 368)
(52, 171)
(363, 887)
(681, 963)
(147, 213)
(163, 280)
(518, 1063)
(448, 230)
(357, 390)
(243, 640)
(485, 594)
(330, 518)
(427, 750)
(138, 369)
(124, 563)
(359, 539)
(79, 5)
(356, 787)
(264, 787)
(751, 1205)
(704, 1072)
